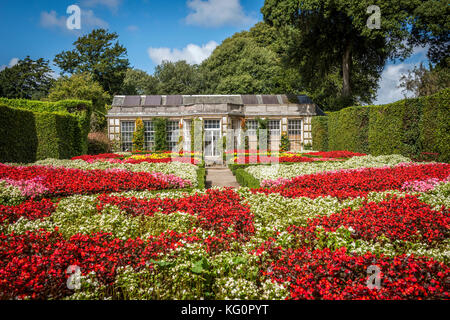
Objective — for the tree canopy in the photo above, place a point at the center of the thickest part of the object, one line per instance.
(99, 54)
(339, 57)
(83, 87)
(28, 79)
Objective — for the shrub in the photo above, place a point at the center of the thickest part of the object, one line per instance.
(98, 143)
(320, 133)
(245, 179)
(285, 143)
(161, 134)
(139, 135)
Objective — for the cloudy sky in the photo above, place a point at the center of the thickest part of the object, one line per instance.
(151, 30)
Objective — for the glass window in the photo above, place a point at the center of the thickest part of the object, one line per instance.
(149, 135)
(252, 126)
(275, 127)
(295, 127)
(173, 134)
(212, 124)
(127, 130)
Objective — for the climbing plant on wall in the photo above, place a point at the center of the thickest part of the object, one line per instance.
(285, 144)
(161, 134)
(139, 135)
(263, 139)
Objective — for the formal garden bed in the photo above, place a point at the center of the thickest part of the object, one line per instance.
(149, 229)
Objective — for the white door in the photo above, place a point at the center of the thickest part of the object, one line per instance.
(213, 136)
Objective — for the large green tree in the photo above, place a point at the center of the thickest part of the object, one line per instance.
(83, 87)
(178, 78)
(100, 54)
(28, 79)
(329, 40)
(249, 63)
(139, 82)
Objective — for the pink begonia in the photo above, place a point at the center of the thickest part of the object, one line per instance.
(29, 188)
(424, 185)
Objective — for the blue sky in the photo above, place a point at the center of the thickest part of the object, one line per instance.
(151, 30)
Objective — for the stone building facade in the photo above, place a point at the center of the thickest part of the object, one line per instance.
(220, 113)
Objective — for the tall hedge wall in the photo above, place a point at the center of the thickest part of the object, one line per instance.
(409, 127)
(19, 140)
(320, 133)
(348, 129)
(35, 130)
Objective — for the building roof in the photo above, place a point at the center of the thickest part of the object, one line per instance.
(237, 105)
(184, 100)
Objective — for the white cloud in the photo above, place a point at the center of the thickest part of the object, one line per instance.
(192, 53)
(88, 20)
(113, 5)
(390, 80)
(12, 63)
(216, 13)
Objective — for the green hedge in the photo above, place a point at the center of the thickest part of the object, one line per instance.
(409, 127)
(348, 129)
(201, 178)
(161, 134)
(35, 130)
(19, 140)
(434, 125)
(320, 133)
(245, 179)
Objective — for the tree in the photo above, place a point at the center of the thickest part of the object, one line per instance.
(285, 143)
(28, 79)
(139, 82)
(249, 63)
(98, 54)
(430, 28)
(330, 40)
(178, 78)
(83, 87)
(424, 82)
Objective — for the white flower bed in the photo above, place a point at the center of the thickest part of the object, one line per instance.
(289, 171)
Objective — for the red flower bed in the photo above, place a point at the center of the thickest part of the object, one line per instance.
(216, 210)
(32, 210)
(104, 156)
(405, 219)
(354, 183)
(65, 181)
(335, 275)
(35, 264)
(336, 154)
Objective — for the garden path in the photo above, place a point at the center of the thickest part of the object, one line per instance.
(220, 177)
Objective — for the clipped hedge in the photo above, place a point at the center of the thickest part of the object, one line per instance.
(434, 125)
(348, 129)
(320, 133)
(245, 179)
(201, 178)
(51, 129)
(411, 127)
(19, 140)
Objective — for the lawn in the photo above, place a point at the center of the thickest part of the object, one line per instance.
(141, 226)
